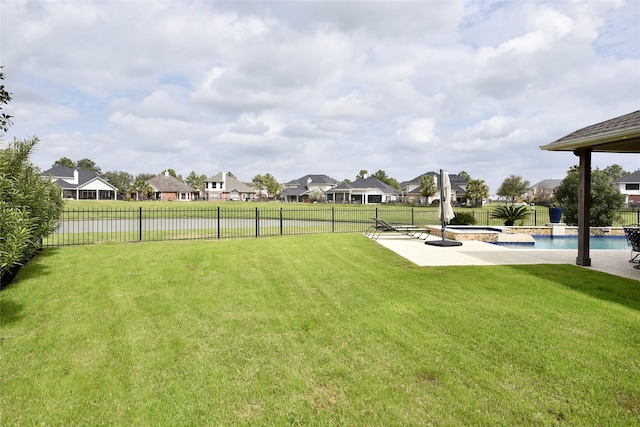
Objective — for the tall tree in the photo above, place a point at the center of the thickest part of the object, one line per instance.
(615, 172)
(259, 184)
(65, 161)
(88, 164)
(5, 98)
(144, 176)
(196, 181)
(141, 186)
(266, 182)
(382, 176)
(606, 201)
(427, 186)
(513, 187)
(172, 172)
(477, 190)
(362, 173)
(464, 175)
(119, 179)
(272, 185)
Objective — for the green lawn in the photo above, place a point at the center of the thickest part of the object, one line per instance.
(328, 329)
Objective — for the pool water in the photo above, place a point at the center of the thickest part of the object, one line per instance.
(571, 242)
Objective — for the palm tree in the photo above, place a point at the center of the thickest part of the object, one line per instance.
(510, 213)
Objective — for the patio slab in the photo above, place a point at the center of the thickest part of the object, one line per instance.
(615, 262)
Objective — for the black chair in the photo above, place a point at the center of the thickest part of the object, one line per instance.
(632, 233)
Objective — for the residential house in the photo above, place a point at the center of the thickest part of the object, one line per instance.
(411, 189)
(309, 188)
(629, 185)
(167, 188)
(81, 184)
(227, 187)
(366, 190)
(544, 190)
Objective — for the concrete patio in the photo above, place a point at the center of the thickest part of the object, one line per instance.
(615, 262)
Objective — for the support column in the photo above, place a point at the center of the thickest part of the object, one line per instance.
(584, 206)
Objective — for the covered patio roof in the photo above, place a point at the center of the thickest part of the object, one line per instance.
(617, 135)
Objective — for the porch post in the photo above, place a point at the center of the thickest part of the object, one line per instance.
(584, 207)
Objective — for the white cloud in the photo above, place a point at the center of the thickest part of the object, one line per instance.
(319, 87)
(247, 127)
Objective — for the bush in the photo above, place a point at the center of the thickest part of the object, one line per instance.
(30, 205)
(462, 218)
(510, 213)
(606, 201)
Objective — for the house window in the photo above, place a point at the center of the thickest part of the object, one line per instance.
(632, 187)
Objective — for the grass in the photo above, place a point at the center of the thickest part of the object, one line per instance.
(314, 330)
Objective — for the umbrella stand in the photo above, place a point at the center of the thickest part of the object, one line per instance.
(443, 242)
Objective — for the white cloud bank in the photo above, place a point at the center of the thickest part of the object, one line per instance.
(292, 88)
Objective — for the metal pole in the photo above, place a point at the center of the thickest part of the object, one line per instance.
(441, 202)
(140, 224)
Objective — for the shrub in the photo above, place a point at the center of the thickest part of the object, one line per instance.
(606, 201)
(462, 218)
(510, 213)
(30, 205)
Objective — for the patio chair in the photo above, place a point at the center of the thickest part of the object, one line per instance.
(632, 233)
(379, 226)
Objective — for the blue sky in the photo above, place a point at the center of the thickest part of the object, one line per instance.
(293, 88)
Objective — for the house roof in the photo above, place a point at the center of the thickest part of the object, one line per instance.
(59, 171)
(63, 173)
(297, 191)
(300, 186)
(456, 182)
(632, 177)
(232, 183)
(167, 183)
(316, 179)
(364, 184)
(453, 178)
(617, 135)
(547, 183)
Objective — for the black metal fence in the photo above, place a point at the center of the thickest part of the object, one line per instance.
(89, 226)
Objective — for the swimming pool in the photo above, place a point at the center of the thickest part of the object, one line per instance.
(571, 242)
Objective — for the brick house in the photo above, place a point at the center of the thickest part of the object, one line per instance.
(167, 188)
(226, 187)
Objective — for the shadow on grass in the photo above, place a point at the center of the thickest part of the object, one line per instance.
(10, 312)
(596, 284)
(32, 268)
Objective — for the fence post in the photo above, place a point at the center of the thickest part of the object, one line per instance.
(218, 219)
(140, 224)
(281, 221)
(412, 219)
(377, 212)
(333, 219)
(257, 223)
